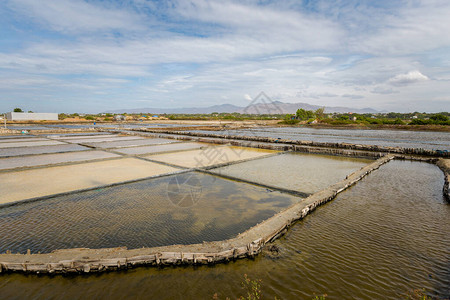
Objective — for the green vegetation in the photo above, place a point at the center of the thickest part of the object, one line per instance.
(416, 118)
(17, 109)
(223, 116)
(301, 116)
(419, 294)
(290, 120)
(304, 114)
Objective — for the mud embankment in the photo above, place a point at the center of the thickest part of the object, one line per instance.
(444, 165)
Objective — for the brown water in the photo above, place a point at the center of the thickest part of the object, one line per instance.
(383, 237)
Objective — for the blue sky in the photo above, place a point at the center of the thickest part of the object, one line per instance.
(93, 56)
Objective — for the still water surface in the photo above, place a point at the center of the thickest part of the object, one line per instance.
(302, 172)
(179, 209)
(381, 238)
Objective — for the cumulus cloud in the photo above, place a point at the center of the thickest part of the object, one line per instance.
(408, 78)
(195, 52)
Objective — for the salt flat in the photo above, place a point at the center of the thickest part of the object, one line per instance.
(210, 156)
(49, 159)
(20, 185)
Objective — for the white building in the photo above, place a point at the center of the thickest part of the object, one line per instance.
(22, 116)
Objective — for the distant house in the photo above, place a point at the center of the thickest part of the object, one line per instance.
(23, 116)
(119, 118)
(155, 116)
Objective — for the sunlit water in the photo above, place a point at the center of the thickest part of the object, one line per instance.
(307, 173)
(382, 238)
(18, 151)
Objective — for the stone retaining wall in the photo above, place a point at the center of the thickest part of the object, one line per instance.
(444, 165)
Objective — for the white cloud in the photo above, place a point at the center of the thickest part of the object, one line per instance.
(264, 26)
(74, 16)
(408, 78)
(196, 52)
(248, 97)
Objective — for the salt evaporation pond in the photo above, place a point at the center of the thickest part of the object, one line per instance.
(307, 173)
(162, 148)
(30, 150)
(394, 138)
(181, 209)
(385, 236)
(51, 159)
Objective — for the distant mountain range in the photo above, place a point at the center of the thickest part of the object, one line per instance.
(267, 107)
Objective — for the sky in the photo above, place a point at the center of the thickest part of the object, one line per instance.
(98, 55)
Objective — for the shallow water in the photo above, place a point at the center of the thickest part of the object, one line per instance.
(307, 173)
(26, 143)
(27, 127)
(210, 156)
(382, 238)
(395, 138)
(51, 159)
(181, 209)
(161, 148)
(112, 138)
(130, 143)
(18, 151)
(22, 139)
(75, 134)
(5, 137)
